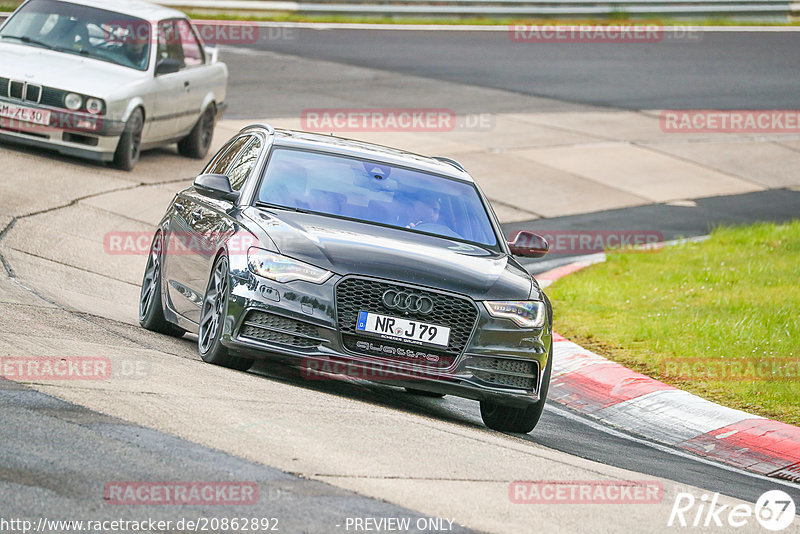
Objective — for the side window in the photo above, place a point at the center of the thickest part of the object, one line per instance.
(224, 162)
(192, 51)
(169, 42)
(210, 165)
(244, 164)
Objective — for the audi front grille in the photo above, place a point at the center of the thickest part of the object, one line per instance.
(355, 294)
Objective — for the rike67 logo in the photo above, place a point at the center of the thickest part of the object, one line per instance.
(774, 510)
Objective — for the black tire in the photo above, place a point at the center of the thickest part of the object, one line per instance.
(423, 393)
(519, 420)
(130, 142)
(151, 310)
(212, 317)
(196, 144)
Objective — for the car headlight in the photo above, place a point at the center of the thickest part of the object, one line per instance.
(526, 313)
(94, 105)
(282, 269)
(73, 101)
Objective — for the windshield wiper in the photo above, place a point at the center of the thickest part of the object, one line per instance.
(261, 204)
(28, 40)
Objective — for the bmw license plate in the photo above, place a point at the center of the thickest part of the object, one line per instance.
(402, 329)
(24, 114)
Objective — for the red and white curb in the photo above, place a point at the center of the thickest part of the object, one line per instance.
(615, 395)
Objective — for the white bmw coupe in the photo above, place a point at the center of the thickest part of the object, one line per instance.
(107, 79)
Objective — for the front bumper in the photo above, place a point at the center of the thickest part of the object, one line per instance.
(70, 133)
(297, 323)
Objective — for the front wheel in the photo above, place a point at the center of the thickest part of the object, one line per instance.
(130, 142)
(212, 319)
(513, 419)
(196, 144)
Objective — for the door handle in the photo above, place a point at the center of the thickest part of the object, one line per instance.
(196, 215)
(186, 83)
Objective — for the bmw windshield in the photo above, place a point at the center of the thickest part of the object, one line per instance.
(81, 30)
(376, 193)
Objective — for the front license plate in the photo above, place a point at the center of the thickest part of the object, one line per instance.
(24, 114)
(402, 329)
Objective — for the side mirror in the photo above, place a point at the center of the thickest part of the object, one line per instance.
(215, 186)
(528, 244)
(168, 66)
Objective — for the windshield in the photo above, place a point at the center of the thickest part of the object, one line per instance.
(82, 30)
(376, 193)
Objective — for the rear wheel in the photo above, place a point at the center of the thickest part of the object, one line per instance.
(513, 419)
(151, 311)
(196, 144)
(212, 319)
(130, 142)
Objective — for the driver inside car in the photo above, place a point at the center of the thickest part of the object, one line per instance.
(424, 210)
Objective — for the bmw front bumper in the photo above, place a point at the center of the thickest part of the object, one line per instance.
(70, 133)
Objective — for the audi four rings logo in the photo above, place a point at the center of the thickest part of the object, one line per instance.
(407, 302)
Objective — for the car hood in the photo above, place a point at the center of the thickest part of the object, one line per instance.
(62, 70)
(350, 247)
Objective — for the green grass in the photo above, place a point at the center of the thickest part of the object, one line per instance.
(731, 300)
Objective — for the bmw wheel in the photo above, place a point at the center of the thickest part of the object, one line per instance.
(196, 144)
(513, 419)
(212, 320)
(130, 142)
(151, 311)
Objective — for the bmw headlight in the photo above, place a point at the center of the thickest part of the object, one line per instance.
(526, 313)
(94, 106)
(282, 269)
(73, 101)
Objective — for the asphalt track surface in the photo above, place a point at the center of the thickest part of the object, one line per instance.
(57, 458)
(670, 221)
(33, 469)
(710, 70)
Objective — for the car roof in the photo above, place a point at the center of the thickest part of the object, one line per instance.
(362, 149)
(134, 8)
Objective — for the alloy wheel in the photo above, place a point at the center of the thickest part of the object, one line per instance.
(213, 309)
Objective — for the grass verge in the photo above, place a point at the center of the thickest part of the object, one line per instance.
(719, 318)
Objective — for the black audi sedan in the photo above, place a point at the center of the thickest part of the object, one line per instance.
(344, 257)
